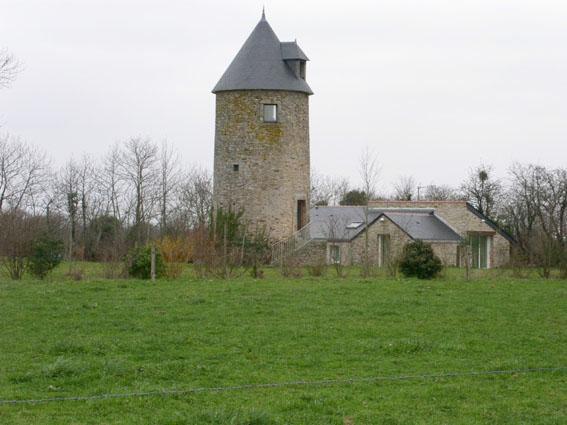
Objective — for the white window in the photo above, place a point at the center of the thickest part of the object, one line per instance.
(270, 113)
(335, 254)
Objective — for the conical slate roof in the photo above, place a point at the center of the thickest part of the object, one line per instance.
(260, 64)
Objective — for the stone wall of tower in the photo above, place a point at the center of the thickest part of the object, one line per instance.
(272, 158)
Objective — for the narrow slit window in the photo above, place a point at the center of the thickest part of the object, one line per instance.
(235, 167)
(270, 113)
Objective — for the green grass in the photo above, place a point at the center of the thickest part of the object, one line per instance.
(63, 338)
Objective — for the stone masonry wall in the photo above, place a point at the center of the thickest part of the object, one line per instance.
(353, 252)
(397, 241)
(315, 252)
(457, 215)
(446, 251)
(272, 158)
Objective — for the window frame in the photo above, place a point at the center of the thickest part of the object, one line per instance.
(302, 69)
(335, 248)
(276, 113)
(384, 244)
(480, 245)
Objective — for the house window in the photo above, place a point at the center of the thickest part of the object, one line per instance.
(270, 113)
(235, 167)
(383, 250)
(480, 250)
(335, 254)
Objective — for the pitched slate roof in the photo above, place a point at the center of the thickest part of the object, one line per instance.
(260, 64)
(420, 223)
(425, 226)
(332, 222)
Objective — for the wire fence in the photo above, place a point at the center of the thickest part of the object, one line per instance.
(324, 382)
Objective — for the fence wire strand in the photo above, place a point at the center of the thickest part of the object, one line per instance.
(324, 382)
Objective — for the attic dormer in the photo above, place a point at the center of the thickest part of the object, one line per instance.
(294, 58)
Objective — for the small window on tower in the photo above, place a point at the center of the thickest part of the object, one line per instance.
(270, 113)
(235, 167)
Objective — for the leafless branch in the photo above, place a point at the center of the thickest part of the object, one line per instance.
(9, 68)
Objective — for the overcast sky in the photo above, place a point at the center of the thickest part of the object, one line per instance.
(433, 86)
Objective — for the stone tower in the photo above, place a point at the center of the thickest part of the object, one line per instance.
(262, 134)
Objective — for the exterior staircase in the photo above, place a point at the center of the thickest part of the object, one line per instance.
(288, 247)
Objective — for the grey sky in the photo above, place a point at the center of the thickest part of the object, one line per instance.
(433, 86)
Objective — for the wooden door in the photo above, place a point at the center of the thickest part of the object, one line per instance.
(301, 213)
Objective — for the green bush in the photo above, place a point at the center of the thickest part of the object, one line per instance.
(419, 260)
(47, 253)
(140, 262)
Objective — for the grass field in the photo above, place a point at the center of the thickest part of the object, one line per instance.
(63, 338)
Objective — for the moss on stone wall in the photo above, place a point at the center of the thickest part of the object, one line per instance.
(271, 133)
(272, 158)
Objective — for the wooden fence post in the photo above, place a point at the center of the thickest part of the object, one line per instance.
(153, 264)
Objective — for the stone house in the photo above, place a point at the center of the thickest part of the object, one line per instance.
(338, 233)
(491, 245)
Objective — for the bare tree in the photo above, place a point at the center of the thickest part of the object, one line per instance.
(405, 188)
(195, 198)
(482, 190)
(16, 241)
(9, 68)
(536, 212)
(138, 168)
(88, 194)
(327, 190)
(169, 179)
(440, 193)
(112, 185)
(22, 172)
(337, 232)
(369, 170)
(552, 201)
(521, 206)
(48, 202)
(68, 188)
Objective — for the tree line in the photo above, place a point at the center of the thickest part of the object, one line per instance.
(100, 206)
(141, 190)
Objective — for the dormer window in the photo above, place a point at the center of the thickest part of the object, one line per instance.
(302, 68)
(270, 113)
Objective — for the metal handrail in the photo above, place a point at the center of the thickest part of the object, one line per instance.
(284, 248)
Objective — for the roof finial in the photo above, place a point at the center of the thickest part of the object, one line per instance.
(263, 13)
